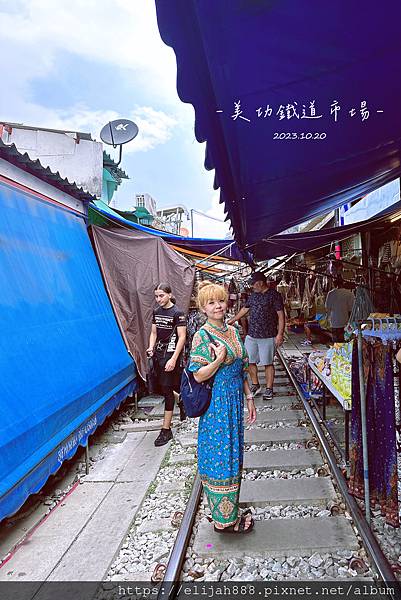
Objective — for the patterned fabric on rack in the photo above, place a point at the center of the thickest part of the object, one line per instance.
(221, 428)
(195, 320)
(308, 306)
(381, 430)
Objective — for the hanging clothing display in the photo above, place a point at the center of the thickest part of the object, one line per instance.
(195, 319)
(233, 296)
(389, 256)
(283, 289)
(362, 308)
(381, 430)
(294, 294)
(318, 297)
(308, 305)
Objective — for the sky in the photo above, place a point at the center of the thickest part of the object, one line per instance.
(76, 65)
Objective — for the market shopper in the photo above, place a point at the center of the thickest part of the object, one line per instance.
(221, 428)
(166, 342)
(315, 328)
(339, 303)
(266, 331)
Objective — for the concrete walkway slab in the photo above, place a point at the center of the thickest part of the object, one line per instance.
(279, 537)
(153, 425)
(145, 461)
(36, 559)
(90, 555)
(280, 378)
(274, 416)
(170, 487)
(277, 436)
(115, 459)
(115, 437)
(154, 525)
(281, 460)
(150, 401)
(158, 412)
(80, 537)
(188, 441)
(182, 459)
(282, 390)
(269, 492)
(276, 402)
(142, 413)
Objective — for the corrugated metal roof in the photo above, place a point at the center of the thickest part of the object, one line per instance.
(11, 154)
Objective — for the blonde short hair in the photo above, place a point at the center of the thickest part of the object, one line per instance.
(210, 291)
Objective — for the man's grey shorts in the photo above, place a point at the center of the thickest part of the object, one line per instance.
(260, 350)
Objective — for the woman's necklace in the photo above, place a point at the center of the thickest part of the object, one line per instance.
(222, 329)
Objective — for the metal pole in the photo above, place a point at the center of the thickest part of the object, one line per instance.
(362, 393)
(369, 540)
(87, 458)
(192, 222)
(217, 253)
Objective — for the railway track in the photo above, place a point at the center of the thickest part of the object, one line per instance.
(306, 522)
(307, 526)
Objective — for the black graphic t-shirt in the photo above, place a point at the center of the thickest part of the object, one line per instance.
(263, 318)
(167, 320)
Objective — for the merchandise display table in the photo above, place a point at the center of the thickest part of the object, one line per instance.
(345, 403)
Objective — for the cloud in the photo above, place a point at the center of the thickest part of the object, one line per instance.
(155, 127)
(40, 38)
(122, 33)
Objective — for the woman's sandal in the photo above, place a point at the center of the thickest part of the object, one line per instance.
(241, 525)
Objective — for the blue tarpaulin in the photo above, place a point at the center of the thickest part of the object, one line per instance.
(225, 248)
(282, 245)
(297, 102)
(63, 364)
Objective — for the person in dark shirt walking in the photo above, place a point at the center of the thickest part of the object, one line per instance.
(266, 331)
(166, 342)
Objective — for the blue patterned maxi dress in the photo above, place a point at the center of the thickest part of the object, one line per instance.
(221, 428)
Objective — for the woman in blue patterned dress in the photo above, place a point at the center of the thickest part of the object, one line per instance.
(221, 428)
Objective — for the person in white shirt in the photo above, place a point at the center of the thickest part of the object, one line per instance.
(339, 303)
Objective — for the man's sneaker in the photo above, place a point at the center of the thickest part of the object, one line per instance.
(268, 394)
(164, 436)
(256, 388)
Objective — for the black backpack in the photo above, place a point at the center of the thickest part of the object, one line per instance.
(196, 396)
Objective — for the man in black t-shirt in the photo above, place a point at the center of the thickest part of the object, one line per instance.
(266, 331)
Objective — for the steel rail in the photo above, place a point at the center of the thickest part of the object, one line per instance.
(370, 543)
(171, 581)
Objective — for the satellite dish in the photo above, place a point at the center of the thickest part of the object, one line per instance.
(119, 132)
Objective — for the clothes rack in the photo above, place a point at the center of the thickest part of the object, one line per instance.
(387, 330)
